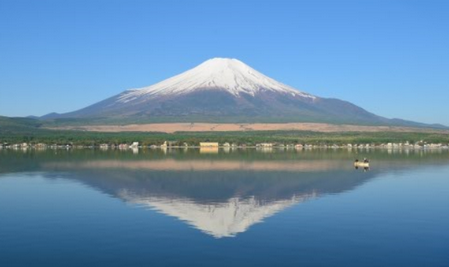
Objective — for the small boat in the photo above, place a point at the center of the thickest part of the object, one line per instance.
(361, 164)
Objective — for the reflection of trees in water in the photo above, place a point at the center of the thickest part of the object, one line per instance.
(32, 160)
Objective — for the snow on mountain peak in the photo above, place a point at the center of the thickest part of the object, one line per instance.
(227, 74)
(225, 219)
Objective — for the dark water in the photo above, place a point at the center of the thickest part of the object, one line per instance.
(241, 208)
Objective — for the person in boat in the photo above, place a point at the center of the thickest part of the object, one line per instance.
(365, 160)
(356, 160)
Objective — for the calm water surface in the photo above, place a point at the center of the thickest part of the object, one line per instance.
(209, 208)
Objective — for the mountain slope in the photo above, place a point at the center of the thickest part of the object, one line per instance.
(223, 90)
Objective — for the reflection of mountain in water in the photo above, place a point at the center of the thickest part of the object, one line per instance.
(224, 219)
(220, 203)
(221, 195)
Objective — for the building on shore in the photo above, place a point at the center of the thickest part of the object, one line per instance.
(208, 144)
(104, 146)
(265, 145)
(123, 146)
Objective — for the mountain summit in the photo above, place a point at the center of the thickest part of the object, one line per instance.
(223, 90)
(229, 75)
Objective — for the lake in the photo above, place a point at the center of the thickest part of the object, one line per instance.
(224, 208)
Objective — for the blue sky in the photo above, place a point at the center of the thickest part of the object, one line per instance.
(389, 57)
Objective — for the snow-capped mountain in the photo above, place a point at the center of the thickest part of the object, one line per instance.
(223, 90)
(223, 74)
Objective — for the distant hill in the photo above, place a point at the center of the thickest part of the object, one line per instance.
(18, 125)
(223, 90)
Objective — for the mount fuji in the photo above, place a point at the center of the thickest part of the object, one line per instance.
(223, 90)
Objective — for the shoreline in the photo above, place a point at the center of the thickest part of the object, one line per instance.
(124, 147)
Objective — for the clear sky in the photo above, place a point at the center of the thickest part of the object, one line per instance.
(389, 57)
